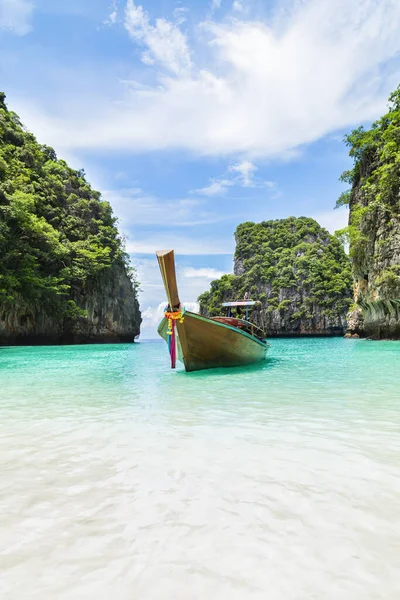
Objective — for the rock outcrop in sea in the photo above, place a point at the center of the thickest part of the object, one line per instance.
(296, 269)
(374, 225)
(64, 274)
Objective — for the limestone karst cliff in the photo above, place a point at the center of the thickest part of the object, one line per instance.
(64, 275)
(374, 225)
(296, 269)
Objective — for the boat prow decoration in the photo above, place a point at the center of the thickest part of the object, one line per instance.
(202, 342)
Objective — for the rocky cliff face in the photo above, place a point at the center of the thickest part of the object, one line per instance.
(64, 275)
(112, 310)
(110, 314)
(374, 226)
(376, 272)
(296, 269)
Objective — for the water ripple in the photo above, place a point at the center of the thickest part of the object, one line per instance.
(123, 479)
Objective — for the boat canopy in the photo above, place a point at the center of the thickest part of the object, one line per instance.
(241, 303)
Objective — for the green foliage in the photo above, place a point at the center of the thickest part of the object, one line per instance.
(389, 279)
(375, 218)
(344, 199)
(290, 265)
(375, 180)
(56, 234)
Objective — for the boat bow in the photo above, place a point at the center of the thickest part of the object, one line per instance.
(201, 342)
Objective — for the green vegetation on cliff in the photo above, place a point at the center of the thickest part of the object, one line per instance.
(297, 270)
(374, 224)
(56, 233)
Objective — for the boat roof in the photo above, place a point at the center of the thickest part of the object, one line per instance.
(242, 303)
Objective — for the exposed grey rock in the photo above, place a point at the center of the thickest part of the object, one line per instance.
(376, 264)
(113, 315)
(355, 322)
(298, 272)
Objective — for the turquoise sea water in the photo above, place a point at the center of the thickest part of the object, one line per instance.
(123, 479)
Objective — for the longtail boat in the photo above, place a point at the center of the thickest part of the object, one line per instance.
(206, 342)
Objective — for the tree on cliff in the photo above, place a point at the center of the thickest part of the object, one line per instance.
(56, 233)
(297, 270)
(374, 223)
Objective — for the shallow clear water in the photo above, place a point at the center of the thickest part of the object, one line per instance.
(121, 479)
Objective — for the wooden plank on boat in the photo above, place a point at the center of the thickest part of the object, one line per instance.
(166, 261)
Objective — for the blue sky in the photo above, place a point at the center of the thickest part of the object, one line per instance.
(191, 117)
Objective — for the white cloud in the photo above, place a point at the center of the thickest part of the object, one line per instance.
(216, 4)
(113, 16)
(182, 244)
(246, 171)
(166, 44)
(179, 14)
(238, 6)
(135, 207)
(273, 189)
(211, 274)
(245, 178)
(260, 88)
(215, 188)
(152, 316)
(15, 15)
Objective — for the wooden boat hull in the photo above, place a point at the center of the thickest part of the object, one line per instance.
(205, 343)
(200, 342)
